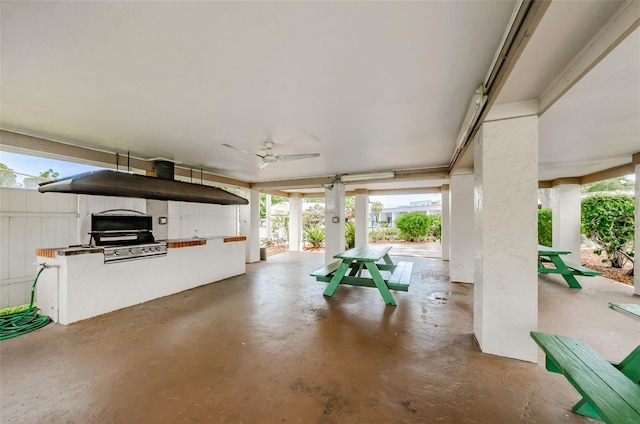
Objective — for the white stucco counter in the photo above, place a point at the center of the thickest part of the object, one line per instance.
(78, 284)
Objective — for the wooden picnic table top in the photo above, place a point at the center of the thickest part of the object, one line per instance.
(366, 253)
(546, 250)
(629, 309)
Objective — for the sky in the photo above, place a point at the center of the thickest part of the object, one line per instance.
(34, 165)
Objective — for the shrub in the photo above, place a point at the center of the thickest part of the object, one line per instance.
(381, 234)
(435, 227)
(609, 221)
(350, 234)
(545, 234)
(314, 236)
(413, 226)
(313, 217)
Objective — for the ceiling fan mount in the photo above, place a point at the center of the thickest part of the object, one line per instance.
(268, 157)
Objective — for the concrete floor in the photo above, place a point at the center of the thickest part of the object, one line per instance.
(267, 347)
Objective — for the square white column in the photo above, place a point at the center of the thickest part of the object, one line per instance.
(334, 222)
(362, 218)
(461, 265)
(506, 204)
(444, 233)
(565, 207)
(250, 225)
(295, 222)
(636, 263)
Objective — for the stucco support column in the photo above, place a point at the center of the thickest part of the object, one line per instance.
(362, 217)
(461, 240)
(295, 222)
(250, 225)
(506, 201)
(334, 221)
(444, 233)
(565, 207)
(636, 263)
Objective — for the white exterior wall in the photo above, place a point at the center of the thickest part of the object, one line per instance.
(506, 280)
(295, 222)
(362, 219)
(444, 235)
(565, 206)
(461, 265)
(334, 231)
(250, 225)
(30, 220)
(636, 265)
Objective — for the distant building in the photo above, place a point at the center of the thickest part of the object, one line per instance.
(391, 215)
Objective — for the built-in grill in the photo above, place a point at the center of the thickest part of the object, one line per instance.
(125, 236)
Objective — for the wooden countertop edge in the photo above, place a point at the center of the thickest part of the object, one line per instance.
(171, 244)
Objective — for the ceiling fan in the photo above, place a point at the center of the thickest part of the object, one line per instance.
(269, 157)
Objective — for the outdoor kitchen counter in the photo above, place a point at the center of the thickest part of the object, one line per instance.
(78, 284)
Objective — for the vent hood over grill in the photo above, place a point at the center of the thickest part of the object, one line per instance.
(112, 183)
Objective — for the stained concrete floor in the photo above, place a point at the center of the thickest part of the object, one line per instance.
(267, 347)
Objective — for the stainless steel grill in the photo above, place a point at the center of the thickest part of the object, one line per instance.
(125, 237)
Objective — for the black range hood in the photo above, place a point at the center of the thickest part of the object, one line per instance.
(121, 184)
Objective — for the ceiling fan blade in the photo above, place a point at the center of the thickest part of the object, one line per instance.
(235, 148)
(296, 157)
(263, 165)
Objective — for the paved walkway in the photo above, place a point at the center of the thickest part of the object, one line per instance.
(416, 250)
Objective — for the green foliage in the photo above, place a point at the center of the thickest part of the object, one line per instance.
(32, 182)
(609, 221)
(350, 234)
(435, 227)
(613, 184)
(384, 234)
(313, 217)
(377, 208)
(544, 227)
(413, 226)
(314, 236)
(263, 203)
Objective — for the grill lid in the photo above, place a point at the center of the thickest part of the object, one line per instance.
(112, 183)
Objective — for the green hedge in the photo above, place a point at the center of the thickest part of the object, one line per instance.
(545, 228)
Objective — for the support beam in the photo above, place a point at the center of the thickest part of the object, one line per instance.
(446, 227)
(295, 222)
(636, 263)
(461, 264)
(362, 217)
(250, 225)
(506, 197)
(334, 222)
(565, 206)
(621, 24)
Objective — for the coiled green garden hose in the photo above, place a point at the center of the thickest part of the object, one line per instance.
(18, 323)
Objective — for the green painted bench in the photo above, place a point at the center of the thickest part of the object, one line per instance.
(608, 393)
(399, 279)
(568, 270)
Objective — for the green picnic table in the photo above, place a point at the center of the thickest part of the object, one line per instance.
(349, 267)
(568, 270)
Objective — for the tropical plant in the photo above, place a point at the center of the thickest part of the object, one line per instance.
(314, 236)
(350, 234)
(545, 233)
(377, 208)
(609, 221)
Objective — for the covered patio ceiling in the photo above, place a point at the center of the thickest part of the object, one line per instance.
(369, 86)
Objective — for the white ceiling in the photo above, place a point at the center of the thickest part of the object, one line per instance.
(369, 85)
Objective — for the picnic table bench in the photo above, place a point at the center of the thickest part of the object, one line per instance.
(610, 392)
(568, 270)
(349, 267)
